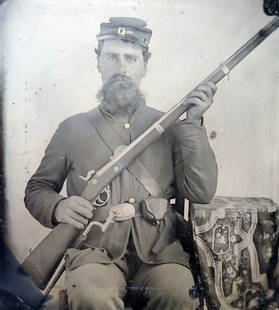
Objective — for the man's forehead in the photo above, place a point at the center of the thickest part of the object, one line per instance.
(121, 47)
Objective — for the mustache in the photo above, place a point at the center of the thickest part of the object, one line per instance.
(119, 77)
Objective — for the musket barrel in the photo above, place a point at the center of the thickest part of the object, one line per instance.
(242, 52)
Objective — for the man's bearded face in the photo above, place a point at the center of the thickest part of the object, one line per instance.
(120, 95)
(122, 68)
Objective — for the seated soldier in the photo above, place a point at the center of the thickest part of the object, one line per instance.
(143, 252)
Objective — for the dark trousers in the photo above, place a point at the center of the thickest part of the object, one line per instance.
(103, 287)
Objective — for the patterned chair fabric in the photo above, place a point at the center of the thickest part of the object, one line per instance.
(237, 243)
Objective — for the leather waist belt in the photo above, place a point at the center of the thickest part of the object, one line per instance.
(153, 210)
(102, 213)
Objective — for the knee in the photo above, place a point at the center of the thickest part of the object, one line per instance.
(81, 298)
(171, 299)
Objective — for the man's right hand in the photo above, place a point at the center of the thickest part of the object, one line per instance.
(75, 211)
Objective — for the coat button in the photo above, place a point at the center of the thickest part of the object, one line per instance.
(126, 125)
(131, 200)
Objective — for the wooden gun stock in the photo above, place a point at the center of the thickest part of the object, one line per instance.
(42, 262)
(40, 265)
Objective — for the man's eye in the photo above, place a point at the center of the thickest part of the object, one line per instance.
(112, 58)
(131, 59)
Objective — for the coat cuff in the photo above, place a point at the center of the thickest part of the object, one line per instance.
(50, 203)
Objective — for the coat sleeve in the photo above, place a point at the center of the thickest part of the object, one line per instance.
(194, 160)
(42, 190)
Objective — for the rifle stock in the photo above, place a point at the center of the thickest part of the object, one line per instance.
(42, 262)
(44, 259)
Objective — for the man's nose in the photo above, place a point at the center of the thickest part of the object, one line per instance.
(122, 65)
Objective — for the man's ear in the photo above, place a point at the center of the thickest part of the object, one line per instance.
(98, 64)
(97, 52)
(145, 69)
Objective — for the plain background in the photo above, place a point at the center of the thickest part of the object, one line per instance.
(50, 74)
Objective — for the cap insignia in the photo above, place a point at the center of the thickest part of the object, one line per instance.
(121, 31)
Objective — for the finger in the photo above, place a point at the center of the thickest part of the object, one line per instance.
(197, 102)
(198, 94)
(194, 114)
(201, 102)
(74, 223)
(77, 217)
(83, 211)
(206, 90)
(85, 203)
(212, 86)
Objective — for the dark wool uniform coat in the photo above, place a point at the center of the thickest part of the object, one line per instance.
(181, 161)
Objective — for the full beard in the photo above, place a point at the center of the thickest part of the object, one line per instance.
(120, 95)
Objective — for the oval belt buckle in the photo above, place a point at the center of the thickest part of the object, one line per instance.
(117, 213)
(102, 198)
(122, 212)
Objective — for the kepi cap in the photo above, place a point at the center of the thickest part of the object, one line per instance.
(126, 28)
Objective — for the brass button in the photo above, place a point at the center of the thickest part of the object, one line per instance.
(131, 200)
(126, 125)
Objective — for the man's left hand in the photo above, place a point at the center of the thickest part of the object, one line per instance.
(200, 99)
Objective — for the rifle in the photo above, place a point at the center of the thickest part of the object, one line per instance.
(42, 263)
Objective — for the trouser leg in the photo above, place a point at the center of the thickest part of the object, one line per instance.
(165, 286)
(95, 287)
